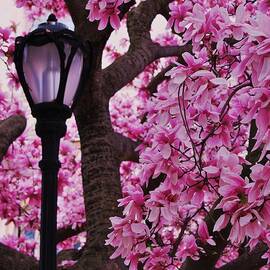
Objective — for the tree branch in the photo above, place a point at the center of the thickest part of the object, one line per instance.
(249, 260)
(126, 148)
(10, 129)
(65, 233)
(68, 254)
(131, 64)
(167, 51)
(142, 51)
(158, 79)
(11, 259)
(153, 184)
(124, 8)
(89, 30)
(77, 11)
(140, 20)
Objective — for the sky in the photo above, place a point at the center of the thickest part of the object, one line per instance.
(9, 12)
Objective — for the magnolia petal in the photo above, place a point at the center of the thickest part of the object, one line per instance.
(166, 151)
(219, 81)
(204, 73)
(116, 253)
(211, 242)
(137, 227)
(245, 220)
(221, 222)
(211, 169)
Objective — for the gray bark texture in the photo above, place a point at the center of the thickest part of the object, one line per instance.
(103, 150)
(10, 129)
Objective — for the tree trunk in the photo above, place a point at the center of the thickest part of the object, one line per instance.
(101, 180)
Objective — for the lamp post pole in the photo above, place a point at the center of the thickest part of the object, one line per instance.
(50, 128)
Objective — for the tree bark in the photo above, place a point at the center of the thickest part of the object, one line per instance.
(10, 129)
(101, 185)
(102, 149)
(65, 233)
(14, 260)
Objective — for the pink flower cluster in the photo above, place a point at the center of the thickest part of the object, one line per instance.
(26, 246)
(36, 8)
(105, 11)
(196, 149)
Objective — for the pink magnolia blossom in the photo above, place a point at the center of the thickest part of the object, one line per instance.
(177, 15)
(105, 11)
(189, 248)
(204, 234)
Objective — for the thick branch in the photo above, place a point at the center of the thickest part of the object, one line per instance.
(124, 8)
(11, 259)
(158, 79)
(89, 30)
(140, 20)
(10, 129)
(249, 260)
(142, 51)
(77, 11)
(131, 64)
(68, 254)
(65, 233)
(167, 51)
(126, 148)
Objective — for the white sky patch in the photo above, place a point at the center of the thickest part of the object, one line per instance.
(158, 26)
(11, 13)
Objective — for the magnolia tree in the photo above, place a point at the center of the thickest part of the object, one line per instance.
(174, 135)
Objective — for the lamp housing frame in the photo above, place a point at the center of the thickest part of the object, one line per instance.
(59, 35)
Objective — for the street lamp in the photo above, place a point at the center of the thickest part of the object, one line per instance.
(51, 64)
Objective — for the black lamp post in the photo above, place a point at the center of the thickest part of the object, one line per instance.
(52, 64)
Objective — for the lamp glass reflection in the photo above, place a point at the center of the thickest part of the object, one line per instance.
(74, 77)
(41, 66)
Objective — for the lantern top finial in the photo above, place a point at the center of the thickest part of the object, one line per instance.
(52, 18)
(52, 25)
